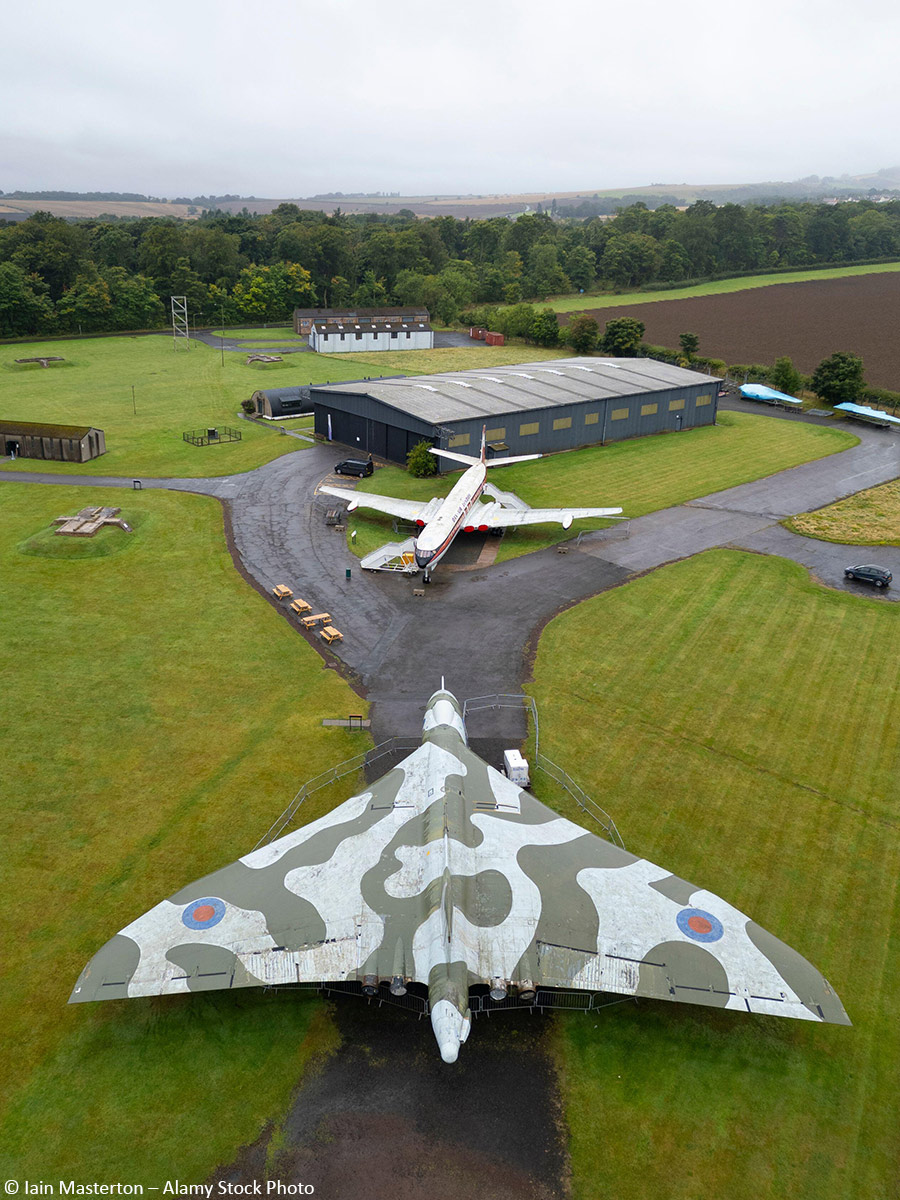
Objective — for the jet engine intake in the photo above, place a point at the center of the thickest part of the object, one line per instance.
(499, 990)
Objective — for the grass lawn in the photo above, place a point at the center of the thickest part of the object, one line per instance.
(742, 725)
(641, 475)
(271, 333)
(446, 358)
(716, 287)
(870, 518)
(173, 391)
(158, 714)
(180, 390)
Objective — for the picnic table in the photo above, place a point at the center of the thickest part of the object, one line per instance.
(330, 634)
(300, 606)
(312, 621)
(282, 591)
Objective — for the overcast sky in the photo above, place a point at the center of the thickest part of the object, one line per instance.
(282, 99)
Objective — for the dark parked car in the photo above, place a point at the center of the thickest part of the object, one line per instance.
(355, 466)
(880, 576)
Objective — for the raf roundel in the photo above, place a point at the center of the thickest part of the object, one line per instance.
(203, 914)
(699, 925)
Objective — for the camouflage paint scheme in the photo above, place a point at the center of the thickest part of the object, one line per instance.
(447, 874)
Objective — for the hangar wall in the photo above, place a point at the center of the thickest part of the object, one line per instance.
(565, 427)
(368, 424)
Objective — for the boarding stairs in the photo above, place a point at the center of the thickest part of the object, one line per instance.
(506, 499)
(393, 556)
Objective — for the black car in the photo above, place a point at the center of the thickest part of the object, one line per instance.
(880, 576)
(355, 466)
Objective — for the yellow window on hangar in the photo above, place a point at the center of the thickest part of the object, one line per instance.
(675, 405)
(619, 414)
(649, 410)
(459, 439)
(562, 423)
(531, 427)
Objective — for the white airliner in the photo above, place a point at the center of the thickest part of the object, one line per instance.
(441, 520)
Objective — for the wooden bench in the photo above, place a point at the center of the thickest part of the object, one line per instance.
(300, 606)
(282, 591)
(330, 634)
(312, 621)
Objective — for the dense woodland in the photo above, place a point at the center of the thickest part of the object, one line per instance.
(59, 276)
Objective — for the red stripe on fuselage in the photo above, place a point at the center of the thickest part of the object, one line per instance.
(445, 545)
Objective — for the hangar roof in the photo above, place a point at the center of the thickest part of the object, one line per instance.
(494, 391)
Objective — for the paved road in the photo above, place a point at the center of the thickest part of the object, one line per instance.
(473, 627)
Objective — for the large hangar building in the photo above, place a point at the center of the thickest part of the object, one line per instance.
(528, 408)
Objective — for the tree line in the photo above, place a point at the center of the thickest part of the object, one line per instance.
(100, 275)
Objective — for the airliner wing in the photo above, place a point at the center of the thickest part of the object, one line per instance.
(409, 510)
(497, 516)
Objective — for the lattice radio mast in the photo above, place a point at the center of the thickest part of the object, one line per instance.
(180, 327)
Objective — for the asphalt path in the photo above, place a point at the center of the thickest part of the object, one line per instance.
(385, 1114)
(475, 628)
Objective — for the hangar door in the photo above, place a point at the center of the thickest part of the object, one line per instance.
(366, 434)
(357, 432)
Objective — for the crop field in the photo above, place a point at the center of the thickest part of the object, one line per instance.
(807, 321)
(641, 475)
(715, 287)
(715, 708)
(159, 714)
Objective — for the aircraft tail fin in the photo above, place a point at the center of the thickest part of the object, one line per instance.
(484, 443)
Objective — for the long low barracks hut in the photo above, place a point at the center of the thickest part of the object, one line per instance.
(64, 443)
(528, 408)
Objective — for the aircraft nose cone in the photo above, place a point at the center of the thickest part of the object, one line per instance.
(450, 1051)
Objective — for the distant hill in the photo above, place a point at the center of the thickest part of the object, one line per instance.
(18, 204)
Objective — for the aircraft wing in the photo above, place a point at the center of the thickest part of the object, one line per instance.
(496, 516)
(409, 510)
(291, 912)
(444, 870)
(607, 921)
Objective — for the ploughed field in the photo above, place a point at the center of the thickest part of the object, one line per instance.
(807, 321)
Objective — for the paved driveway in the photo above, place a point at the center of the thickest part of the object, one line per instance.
(474, 628)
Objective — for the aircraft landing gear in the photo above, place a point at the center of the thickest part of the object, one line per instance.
(426, 578)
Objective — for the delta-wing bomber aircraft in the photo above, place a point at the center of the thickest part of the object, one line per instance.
(460, 511)
(445, 874)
